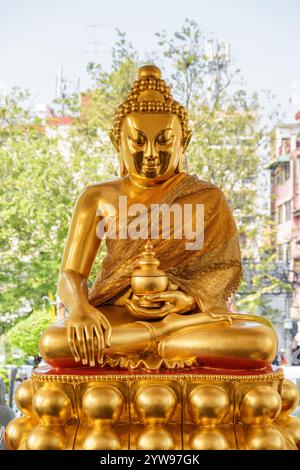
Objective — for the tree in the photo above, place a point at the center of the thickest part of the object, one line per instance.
(261, 282)
(36, 192)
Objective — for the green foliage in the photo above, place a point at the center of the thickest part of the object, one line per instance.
(37, 191)
(25, 334)
(260, 283)
(4, 374)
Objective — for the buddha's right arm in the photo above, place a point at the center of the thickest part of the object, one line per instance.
(86, 326)
(81, 248)
(72, 289)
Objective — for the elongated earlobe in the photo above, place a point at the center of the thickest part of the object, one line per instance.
(113, 141)
(185, 144)
(123, 171)
(179, 168)
(186, 141)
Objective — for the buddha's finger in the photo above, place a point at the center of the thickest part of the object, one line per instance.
(132, 306)
(165, 309)
(107, 330)
(89, 334)
(99, 335)
(162, 297)
(81, 343)
(72, 344)
(135, 309)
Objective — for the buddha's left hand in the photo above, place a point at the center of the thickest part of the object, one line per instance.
(175, 302)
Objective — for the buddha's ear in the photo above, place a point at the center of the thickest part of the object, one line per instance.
(180, 166)
(123, 171)
(113, 140)
(186, 141)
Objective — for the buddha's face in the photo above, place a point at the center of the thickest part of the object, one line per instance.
(151, 146)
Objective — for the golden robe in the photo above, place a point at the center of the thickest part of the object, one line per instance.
(210, 274)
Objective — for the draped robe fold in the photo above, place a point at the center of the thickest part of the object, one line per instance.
(211, 273)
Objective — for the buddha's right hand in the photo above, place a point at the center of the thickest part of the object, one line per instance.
(86, 327)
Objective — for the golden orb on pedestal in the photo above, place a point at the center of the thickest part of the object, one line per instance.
(261, 405)
(208, 405)
(102, 438)
(46, 438)
(23, 397)
(155, 404)
(289, 398)
(208, 439)
(264, 437)
(155, 438)
(102, 405)
(52, 406)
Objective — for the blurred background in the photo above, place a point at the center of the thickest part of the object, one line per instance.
(65, 66)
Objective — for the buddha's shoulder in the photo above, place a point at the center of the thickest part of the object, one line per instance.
(102, 190)
(207, 193)
(207, 187)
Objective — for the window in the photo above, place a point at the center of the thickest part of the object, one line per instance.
(286, 171)
(279, 176)
(282, 174)
(284, 252)
(280, 216)
(286, 146)
(288, 211)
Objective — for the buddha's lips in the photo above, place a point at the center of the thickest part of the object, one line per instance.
(151, 165)
(151, 171)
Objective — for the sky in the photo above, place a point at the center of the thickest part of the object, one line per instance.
(39, 36)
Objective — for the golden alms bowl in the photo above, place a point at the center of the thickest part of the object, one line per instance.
(148, 279)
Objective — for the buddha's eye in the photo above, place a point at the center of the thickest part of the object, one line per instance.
(165, 137)
(138, 138)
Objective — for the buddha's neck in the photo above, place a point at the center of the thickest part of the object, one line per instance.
(144, 187)
(141, 186)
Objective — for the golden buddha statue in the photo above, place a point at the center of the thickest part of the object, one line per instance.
(153, 343)
(151, 134)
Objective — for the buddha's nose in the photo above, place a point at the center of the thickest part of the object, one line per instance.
(150, 153)
(150, 158)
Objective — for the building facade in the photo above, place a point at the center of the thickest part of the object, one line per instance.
(285, 210)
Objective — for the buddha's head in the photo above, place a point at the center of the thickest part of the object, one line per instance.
(150, 131)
